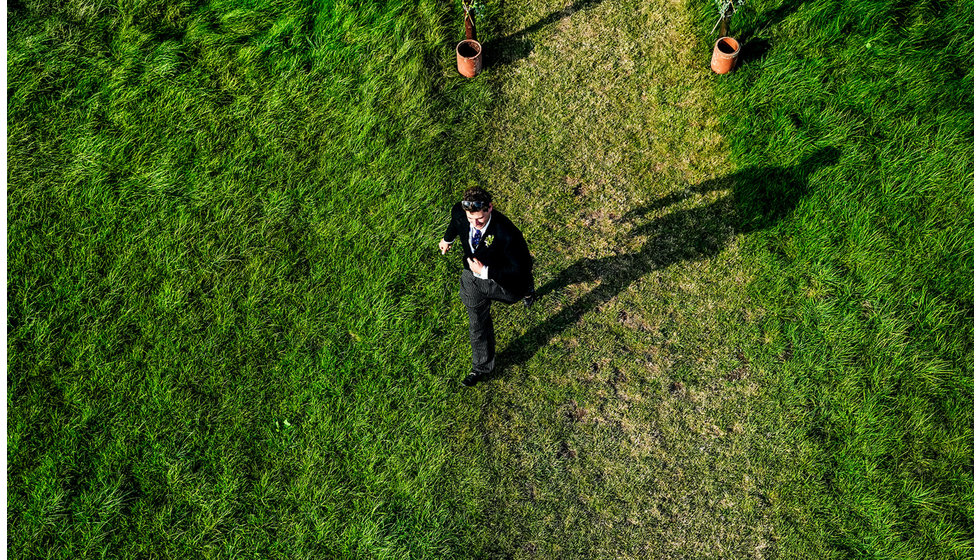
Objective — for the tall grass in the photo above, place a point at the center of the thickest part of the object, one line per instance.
(870, 283)
(230, 333)
(226, 329)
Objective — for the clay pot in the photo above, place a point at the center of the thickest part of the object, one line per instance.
(469, 58)
(725, 55)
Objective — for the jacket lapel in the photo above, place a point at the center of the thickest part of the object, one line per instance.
(490, 233)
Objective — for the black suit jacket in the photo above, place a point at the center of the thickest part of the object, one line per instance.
(502, 248)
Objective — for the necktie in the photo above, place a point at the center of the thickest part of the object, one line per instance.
(476, 238)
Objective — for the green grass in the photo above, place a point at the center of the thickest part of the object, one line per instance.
(870, 281)
(217, 216)
(230, 333)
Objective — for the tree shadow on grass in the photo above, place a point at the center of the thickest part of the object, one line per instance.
(760, 197)
(513, 47)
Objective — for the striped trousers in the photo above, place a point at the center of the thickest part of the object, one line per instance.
(477, 295)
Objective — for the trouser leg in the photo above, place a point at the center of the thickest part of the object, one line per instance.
(482, 339)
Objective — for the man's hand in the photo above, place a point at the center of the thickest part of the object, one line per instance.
(444, 246)
(475, 266)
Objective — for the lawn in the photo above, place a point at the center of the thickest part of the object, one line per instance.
(220, 341)
(872, 276)
(231, 334)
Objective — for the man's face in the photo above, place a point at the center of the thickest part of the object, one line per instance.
(479, 219)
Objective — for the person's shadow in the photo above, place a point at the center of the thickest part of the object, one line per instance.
(760, 197)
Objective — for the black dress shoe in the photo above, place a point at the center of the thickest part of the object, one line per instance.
(471, 379)
(529, 300)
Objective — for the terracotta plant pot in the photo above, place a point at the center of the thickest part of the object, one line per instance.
(725, 55)
(469, 58)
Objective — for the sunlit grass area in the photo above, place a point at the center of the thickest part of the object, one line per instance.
(221, 340)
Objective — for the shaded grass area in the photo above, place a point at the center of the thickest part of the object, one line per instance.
(220, 338)
(870, 281)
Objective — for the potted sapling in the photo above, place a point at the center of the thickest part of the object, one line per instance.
(726, 50)
(469, 51)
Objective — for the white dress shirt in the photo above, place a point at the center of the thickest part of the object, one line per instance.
(485, 275)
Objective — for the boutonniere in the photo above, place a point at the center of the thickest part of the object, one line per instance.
(488, 240)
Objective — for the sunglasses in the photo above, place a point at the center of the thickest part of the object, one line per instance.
(472, 206)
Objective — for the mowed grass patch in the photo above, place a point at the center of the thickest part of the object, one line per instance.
(870, 281)
(225, 335)
(625, 420)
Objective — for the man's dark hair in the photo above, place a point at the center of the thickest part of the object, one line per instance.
(478, 194)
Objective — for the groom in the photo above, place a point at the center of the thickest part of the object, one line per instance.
(496, 266)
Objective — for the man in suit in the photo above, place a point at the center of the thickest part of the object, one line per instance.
(496, 266)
